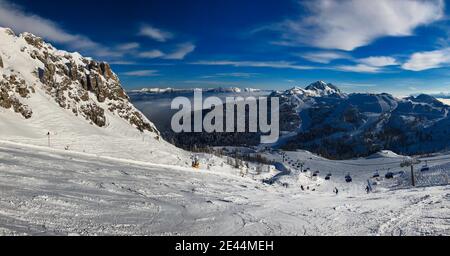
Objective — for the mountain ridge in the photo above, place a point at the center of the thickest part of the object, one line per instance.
(86, 87)
(340, 125)
(64, 101)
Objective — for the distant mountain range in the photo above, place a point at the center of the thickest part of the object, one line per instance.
(441, 95)
(190, 90)
(339, 125)
(324, 120)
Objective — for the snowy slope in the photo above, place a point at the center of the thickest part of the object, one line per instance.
(78, 101)
(55, 192)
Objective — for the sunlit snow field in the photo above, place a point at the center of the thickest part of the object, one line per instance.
(54, 192)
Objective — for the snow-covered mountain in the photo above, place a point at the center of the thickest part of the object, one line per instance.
(81, 85)
(317, 89)
(75, 102)
(341, 125)
(77, 158)
(191, 90)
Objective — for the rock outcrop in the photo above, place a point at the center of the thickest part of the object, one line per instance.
(11, 88)
(81, 85)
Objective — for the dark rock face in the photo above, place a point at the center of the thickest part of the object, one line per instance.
(9, 86)
(92, 77)
(1, 62)
(94, 113)
(86, 87)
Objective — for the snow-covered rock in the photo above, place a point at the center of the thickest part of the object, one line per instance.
(251, 90)
(385, 154)
(316, 89)
(50, 97)
(321, 88)
(85, 87)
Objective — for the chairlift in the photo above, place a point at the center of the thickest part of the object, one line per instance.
(348, 178)
(425, 168)
(399, 174)
(389, 175)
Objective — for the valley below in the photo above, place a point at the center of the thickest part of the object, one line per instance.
(51, 192)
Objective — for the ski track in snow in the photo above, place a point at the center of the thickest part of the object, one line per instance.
(50, 193)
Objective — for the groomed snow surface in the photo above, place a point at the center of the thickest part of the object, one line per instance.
(56, 192)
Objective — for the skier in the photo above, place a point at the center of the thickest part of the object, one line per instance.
(196, 162)
(48, 135)
(336, 191)
(367, 189)
(303, 188)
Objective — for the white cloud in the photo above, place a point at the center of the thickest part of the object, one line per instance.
(428, 60)
(155, 33)
(141, 73)
(181, 52)
(234, 74)
(211, 83)
(237, 74)
(374, 65)
(324, 57)
(128, 46)
(359, 68)
(355, 85)
(260, 64)
(349, 24)
(122, 62)
(159, 35)
(151, 54)
(379, 61)
(14, 17)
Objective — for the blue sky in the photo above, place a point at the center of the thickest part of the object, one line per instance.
(396, 46)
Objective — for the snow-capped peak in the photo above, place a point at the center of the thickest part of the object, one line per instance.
(317, 89)
(323, 89)
(426, 99)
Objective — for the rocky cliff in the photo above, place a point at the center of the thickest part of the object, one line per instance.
(83, 86)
